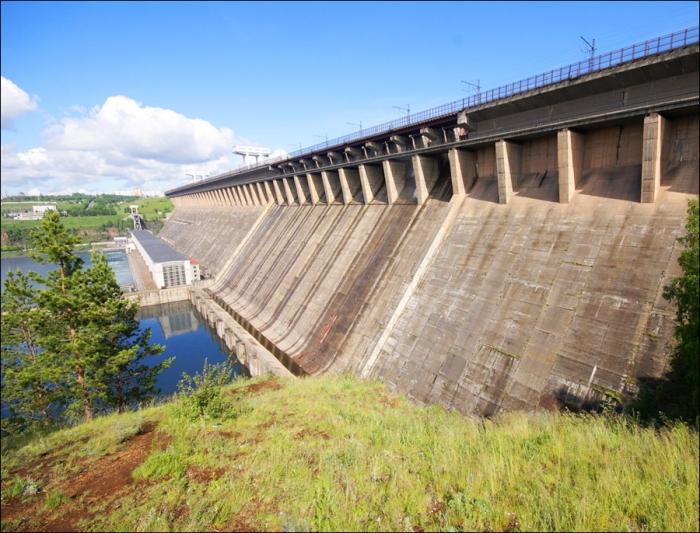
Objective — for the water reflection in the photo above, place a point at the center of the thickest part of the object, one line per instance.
(186, 336)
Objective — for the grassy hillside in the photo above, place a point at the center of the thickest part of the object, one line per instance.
(89, 227)
(342, 454)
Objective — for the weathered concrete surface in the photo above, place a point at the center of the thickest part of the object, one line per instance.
(247, 349)
(500, 308)
(159, 296)
(209, 234)
(143, 281)
(540, 299)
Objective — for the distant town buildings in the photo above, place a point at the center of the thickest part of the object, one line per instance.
(36, 213)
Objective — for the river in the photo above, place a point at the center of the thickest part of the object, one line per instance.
(116, 259)
(177, 326)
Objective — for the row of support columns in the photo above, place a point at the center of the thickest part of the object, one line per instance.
(363, 181)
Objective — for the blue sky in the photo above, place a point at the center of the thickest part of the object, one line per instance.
(110, 91)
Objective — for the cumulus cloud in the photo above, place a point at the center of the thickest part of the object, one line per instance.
(118, 145)
(130, 129)
(13, 102)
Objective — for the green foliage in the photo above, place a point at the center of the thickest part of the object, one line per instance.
(684, 292)
(201, 396)
(118, 341)
(339, 454)
(73, 346)
(677, 395)
(54, 499)
(161, 465)
(88, 216)
(54, 244)
(31, 379)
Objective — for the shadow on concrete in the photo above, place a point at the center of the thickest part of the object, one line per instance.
(562, 400)
(442, 190)
(485, 189)
(540, 186)
(681, 177)
(618, 183)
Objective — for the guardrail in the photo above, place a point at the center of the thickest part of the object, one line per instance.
(664, 43)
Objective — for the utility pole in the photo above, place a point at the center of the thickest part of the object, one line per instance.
(358, 124)
(324, 136)
(297, 145)
(407, 109)
(591, 51)
(476, 87)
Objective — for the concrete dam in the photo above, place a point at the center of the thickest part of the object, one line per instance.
(500, 252)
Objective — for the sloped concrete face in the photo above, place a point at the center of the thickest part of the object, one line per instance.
(537, 300)
(472, 304)
(208, 235)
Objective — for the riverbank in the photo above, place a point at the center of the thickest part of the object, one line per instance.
(339, 454)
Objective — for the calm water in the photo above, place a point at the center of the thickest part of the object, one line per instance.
(187, 337)
(116, 259)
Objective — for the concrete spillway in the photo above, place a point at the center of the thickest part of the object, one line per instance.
(463, 301)
(504, 255)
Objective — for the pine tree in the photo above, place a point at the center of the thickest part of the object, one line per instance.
(125, 375)
(77, 338)
(65, 333)
(31, 385)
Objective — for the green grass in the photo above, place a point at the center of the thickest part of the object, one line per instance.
(151, 208)
(342, 454)
(82, 222)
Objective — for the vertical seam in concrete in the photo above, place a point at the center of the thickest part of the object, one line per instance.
(410, 289)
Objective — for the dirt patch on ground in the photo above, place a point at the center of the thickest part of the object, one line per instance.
(113, 472)
(244, 520)
(390, 401)
(204, 475)
(313, 433)
(105, 480)
(228, 434)
(269, 384)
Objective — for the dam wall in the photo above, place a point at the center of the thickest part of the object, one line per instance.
(207, 236)
(482, 274)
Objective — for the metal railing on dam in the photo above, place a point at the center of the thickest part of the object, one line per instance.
(648, 48)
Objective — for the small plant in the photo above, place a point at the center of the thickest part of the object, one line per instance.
(22, 487)
(55, 499)
(201, 395)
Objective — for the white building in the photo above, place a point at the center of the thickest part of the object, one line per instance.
(41, 209)
(168, 267)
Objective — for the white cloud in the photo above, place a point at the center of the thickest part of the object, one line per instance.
(130, 129)
(13, 102)
(119, 145)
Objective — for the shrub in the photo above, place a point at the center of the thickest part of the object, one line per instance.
(201, 395)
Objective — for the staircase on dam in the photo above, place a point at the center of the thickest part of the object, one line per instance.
(481, 273)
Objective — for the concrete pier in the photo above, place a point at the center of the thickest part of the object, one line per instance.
(654, 127)
(570, 159)
(508, 169)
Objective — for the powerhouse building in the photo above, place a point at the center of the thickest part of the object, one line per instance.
(168, 267)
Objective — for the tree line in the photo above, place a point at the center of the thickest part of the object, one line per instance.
(71, 343)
